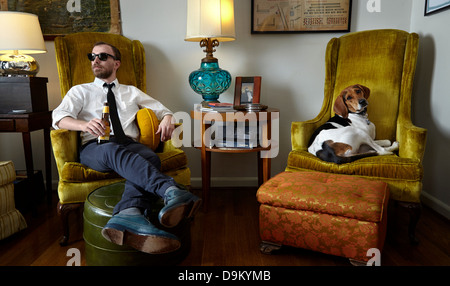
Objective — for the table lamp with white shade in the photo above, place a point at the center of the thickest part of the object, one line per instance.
(210, 22)
(21, 35)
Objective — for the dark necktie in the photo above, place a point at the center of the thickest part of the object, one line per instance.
(117, 127)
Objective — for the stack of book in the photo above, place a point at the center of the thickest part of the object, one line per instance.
(235, 136)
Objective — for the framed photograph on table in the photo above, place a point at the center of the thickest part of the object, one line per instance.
(434, 6)
(247, 90)
(299, 16)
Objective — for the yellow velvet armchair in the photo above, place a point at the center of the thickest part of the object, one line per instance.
(76, 181)
(384, 61)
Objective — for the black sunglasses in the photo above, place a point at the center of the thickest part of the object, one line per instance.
(102, 56)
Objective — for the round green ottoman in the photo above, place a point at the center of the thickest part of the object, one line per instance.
(98, 210)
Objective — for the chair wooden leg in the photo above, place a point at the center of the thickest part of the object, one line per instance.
(63, 211)
(267, 247)
(415, 211)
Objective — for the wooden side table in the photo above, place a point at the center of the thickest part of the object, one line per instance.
(264, 119)
(26, 123)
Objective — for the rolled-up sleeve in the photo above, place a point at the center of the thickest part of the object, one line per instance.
(146, 101)
(69, 107)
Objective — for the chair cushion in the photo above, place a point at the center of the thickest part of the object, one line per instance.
(76, 172)
(338, 195)
(172, 160)
(389, 166)
(76, 192)
(148, 125)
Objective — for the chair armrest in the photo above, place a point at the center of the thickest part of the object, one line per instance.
(65, 147)
(301, 131)
(168, 146)
(148, 124)
(412, 140)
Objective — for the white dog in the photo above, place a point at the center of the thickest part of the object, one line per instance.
(349, 135)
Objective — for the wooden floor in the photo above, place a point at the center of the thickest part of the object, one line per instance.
(227, 235)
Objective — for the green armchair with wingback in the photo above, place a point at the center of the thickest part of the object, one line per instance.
(77, 181)
(384, 61)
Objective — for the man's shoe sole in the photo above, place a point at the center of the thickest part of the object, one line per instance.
(174, 216)
(151, 244)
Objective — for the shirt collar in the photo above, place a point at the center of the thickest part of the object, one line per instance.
(100, 82)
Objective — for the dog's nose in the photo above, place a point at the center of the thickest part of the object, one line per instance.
(362, 102)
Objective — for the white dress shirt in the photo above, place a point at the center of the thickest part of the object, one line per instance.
(85, 102)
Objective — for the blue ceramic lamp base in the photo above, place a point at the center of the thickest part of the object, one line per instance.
(210, 81)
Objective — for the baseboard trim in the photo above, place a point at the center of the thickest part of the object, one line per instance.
(196, 182)
(436, 205)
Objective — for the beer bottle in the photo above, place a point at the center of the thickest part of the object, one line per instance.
(105, 120)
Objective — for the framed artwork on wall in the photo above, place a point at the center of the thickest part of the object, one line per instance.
(434, 6)
(298, 16)
(247, 91)
(62, 17)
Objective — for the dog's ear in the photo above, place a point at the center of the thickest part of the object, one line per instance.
(365, 89)
(339, 105)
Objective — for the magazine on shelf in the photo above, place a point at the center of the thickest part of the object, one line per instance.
(220, 104)
(234, 136)
(216, 107)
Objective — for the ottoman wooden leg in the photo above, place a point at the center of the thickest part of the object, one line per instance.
(267, 247)
(357, 262)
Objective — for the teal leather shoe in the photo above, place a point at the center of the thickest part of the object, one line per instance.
(179, 204)
(136, 231)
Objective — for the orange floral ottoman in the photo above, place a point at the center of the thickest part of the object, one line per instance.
(333, 214)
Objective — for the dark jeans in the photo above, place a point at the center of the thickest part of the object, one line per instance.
(138, 164)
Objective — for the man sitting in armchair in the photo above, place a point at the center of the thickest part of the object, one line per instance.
(81, 110)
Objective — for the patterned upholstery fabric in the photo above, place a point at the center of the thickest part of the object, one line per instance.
(11, 220)
(334, 214)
